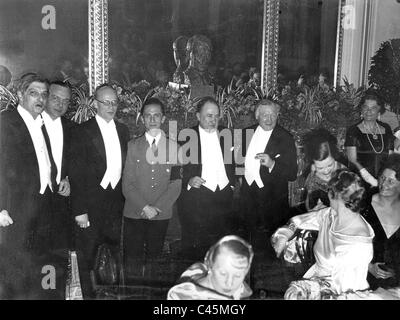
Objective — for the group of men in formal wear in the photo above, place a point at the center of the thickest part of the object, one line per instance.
(54, 172)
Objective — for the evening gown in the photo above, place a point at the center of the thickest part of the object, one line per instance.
(371, 160)
(386, 249)
(341, 260)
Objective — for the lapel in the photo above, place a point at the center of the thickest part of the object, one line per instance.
(97, 139)
(65, 129)
(272, 144)
(196, 128)
(122, 141)
(24, 137)
(22, 130)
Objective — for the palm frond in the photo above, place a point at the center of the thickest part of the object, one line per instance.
(8, 99)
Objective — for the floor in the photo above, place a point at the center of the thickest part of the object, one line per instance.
(269, 277)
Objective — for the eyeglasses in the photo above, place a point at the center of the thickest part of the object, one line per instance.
(156, 116)
(58, 100)
(108, 103)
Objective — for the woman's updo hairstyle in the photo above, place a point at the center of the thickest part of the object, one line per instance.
(319, 144)
(234, 244)
(349, 186)
(392, 163)
(373, 95)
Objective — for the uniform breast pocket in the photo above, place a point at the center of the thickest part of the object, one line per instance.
(166, 172)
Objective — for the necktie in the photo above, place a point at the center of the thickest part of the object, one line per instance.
(53, 172)
(154, 147)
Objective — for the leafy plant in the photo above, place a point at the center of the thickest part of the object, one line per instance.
(8, 99)
(310, 105)
(82, 105)
(229, 101)
(384, 73)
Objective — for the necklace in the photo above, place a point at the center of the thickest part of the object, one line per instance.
(375, 137)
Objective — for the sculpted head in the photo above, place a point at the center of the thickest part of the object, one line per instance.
(199, 49)
(180, 56)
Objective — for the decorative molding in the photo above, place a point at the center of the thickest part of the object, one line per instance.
(98, 43)
(270, 45)
(339, 44)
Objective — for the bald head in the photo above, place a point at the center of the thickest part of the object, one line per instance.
(106, 102)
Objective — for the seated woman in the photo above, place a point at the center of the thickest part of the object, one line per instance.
(383, 213)
(320, 148)
(343, 248)
(221, 276)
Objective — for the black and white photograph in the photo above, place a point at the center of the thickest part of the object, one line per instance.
(200, 150)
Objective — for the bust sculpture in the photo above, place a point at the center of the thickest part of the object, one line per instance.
(198, 49)
(181, 58)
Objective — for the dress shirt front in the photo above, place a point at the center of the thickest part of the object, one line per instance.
(257, 144)
(150, 138)
(56, 135)
(213, 168)
(35, 131)
(113, 152)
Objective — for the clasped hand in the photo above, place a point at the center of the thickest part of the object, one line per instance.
(196, 182)
(83, 221)
(149, 212)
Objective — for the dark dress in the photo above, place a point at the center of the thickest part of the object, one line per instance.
(386, 250)
(368, 158)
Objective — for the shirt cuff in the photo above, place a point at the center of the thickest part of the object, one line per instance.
(188, 187)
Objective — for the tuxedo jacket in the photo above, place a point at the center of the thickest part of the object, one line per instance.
(19, 183)
(281, 142)
(146, 183)
(67, 126)
(88, 163)
(19, 167)
(192, 150)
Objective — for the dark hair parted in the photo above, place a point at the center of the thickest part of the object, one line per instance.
(153, 101)
(319, 144)
(63, 84)
(350, 187)
(204, 100)
(28, 78)
(371, 94)
(392, 163)
(234, 244)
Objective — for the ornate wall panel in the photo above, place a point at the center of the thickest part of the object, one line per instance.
(98, 43)
(270, 45)
(339, 44)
